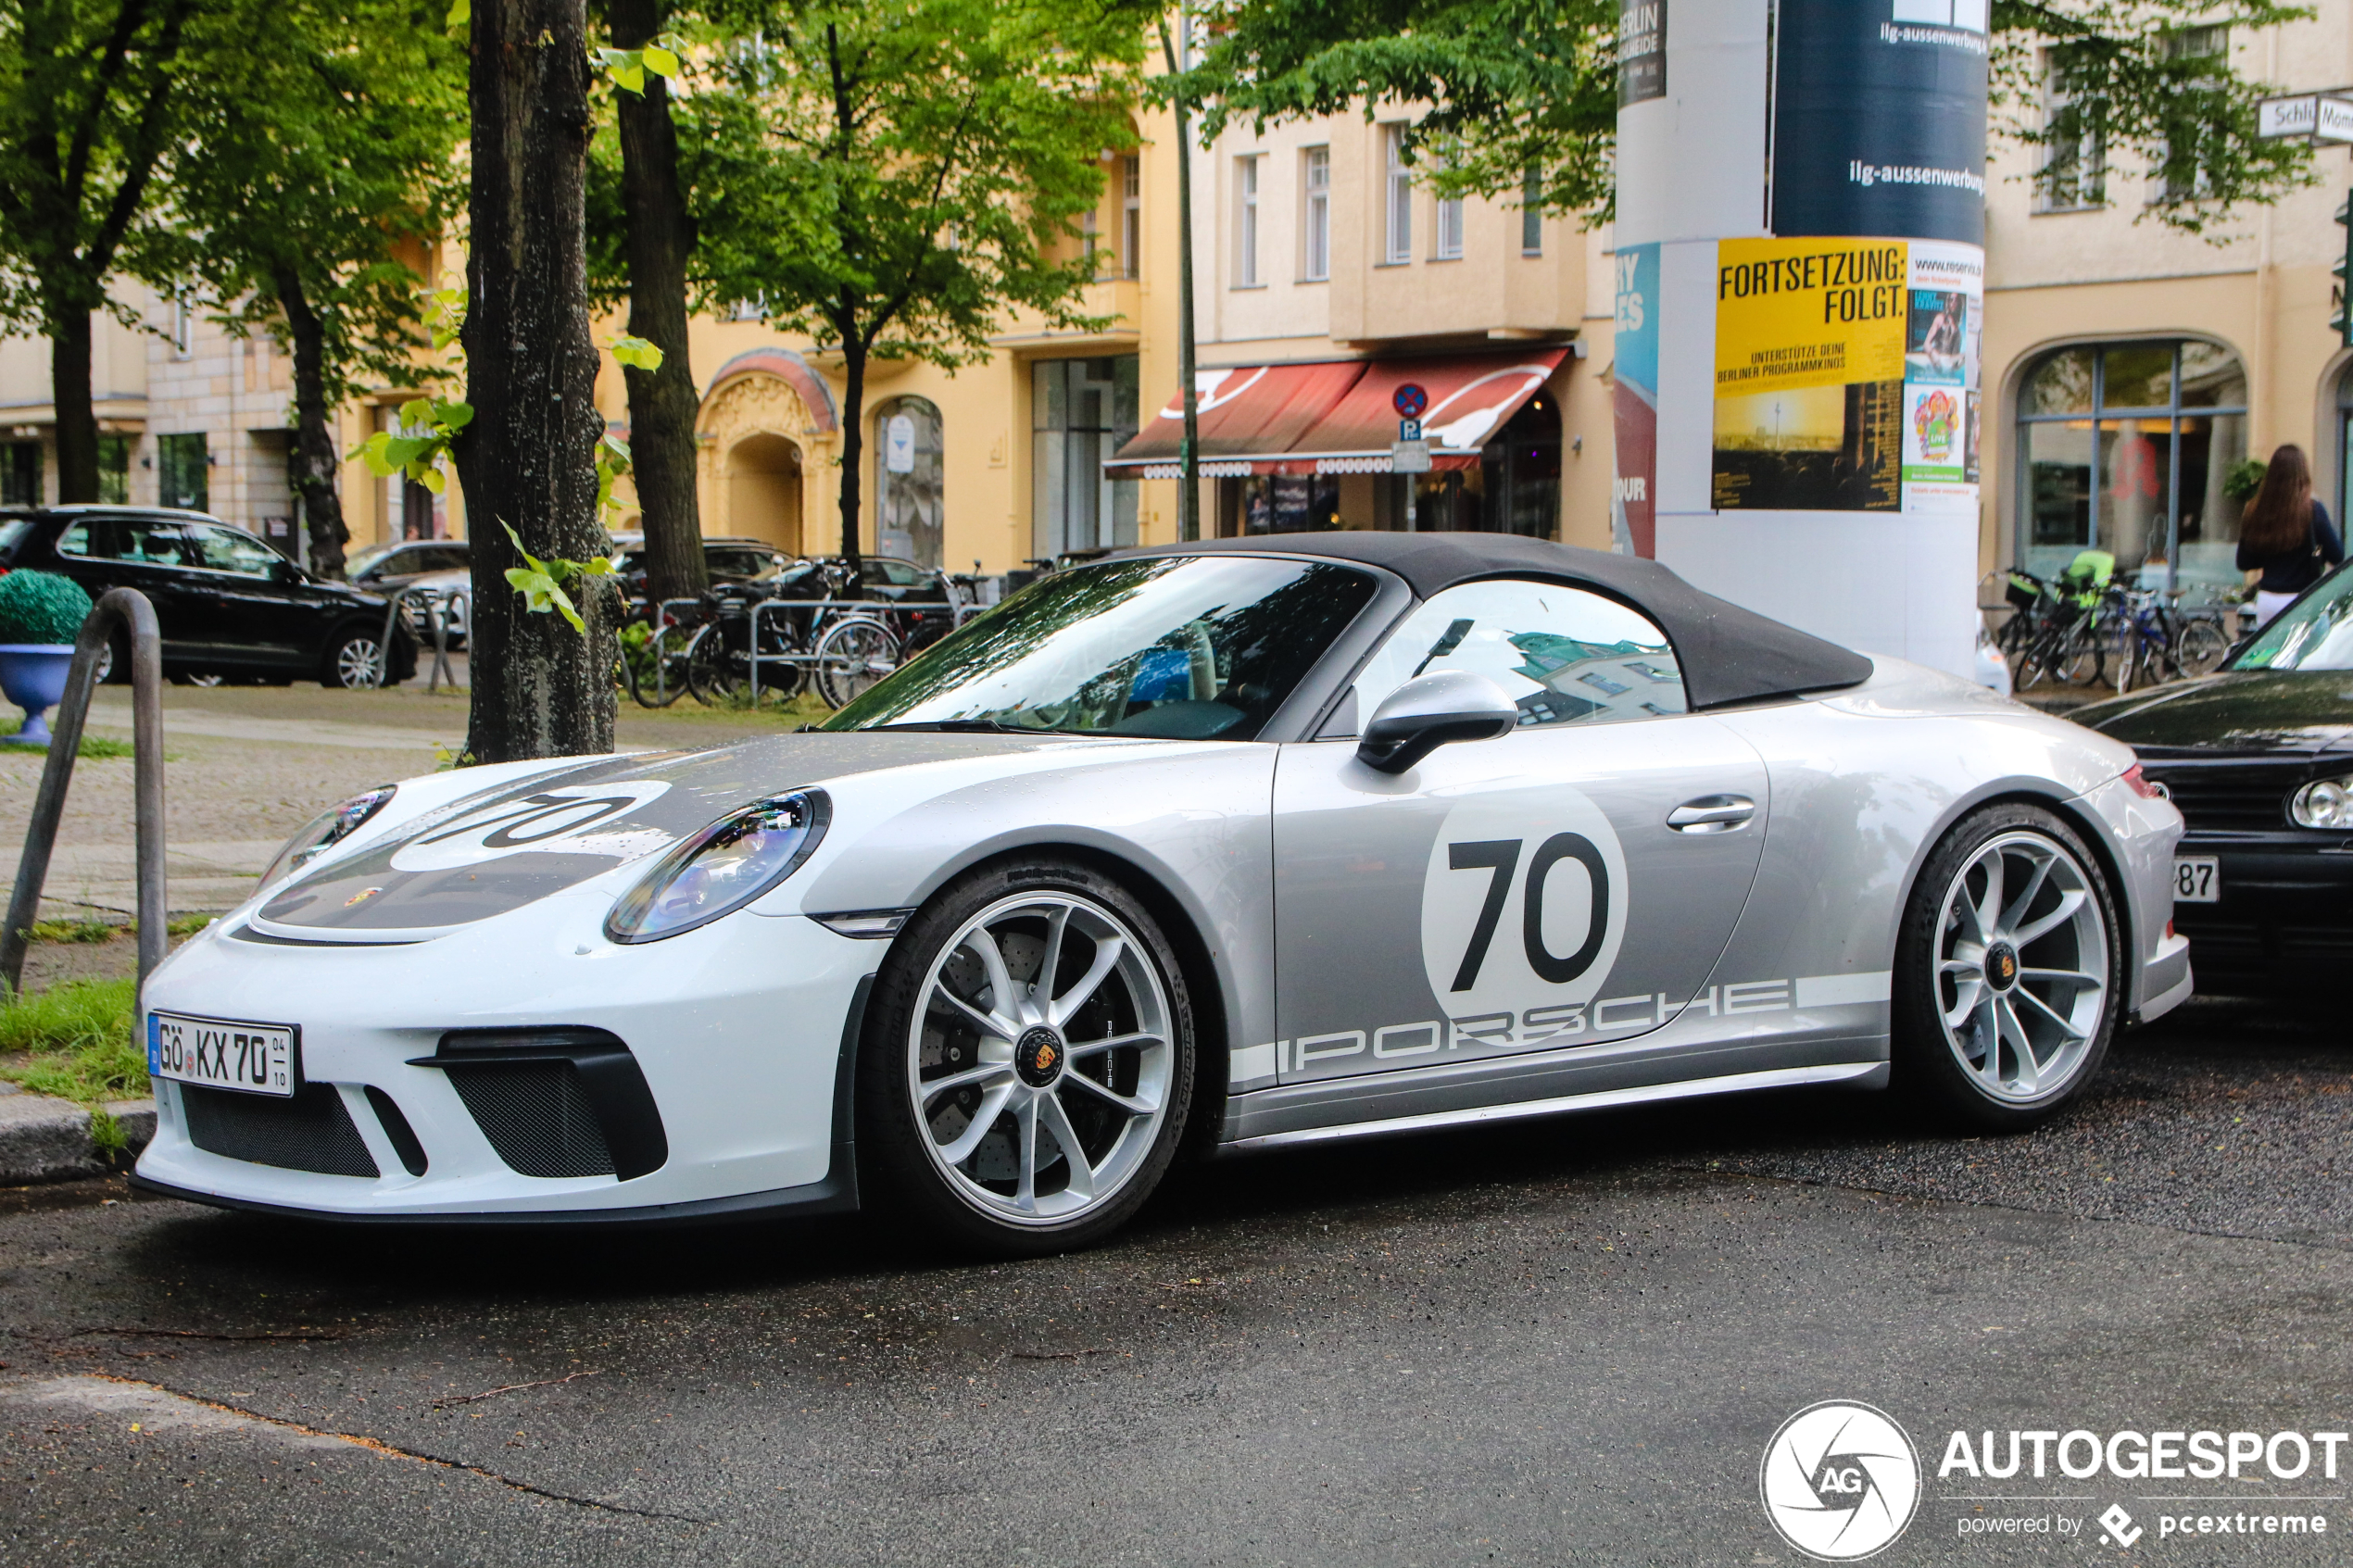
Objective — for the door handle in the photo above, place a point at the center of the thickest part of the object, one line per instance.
(1712, 813)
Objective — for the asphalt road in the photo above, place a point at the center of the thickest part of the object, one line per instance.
(1570, 1342)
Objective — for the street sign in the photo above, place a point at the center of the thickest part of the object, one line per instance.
(1409, 430)
(1409, 456)
(1409, 400)
(2293, 115)
(2334, 122)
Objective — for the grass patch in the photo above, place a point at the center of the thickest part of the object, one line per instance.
(91, 746)
(75, 1041)
(807, 707)
(107, 931)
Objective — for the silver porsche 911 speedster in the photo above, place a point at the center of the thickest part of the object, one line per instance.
(1222, 846)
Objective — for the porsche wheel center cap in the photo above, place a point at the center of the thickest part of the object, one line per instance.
(1038, 1056)
(2001, 966)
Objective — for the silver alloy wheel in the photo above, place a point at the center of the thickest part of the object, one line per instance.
(356, 664)
(1039, 1061)
(2022, 969)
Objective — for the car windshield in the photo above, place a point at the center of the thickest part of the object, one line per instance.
(1184, 647)
(360, 560)
(2315, 633)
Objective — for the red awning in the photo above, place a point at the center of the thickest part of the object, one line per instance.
(1337, 417)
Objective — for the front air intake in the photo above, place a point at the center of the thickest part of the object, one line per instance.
(309, 1132)
(555, 1102)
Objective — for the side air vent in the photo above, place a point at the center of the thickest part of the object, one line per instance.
(402, 1136)
(311, 1132)
(555, 1102)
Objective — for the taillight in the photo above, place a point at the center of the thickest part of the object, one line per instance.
(2147, 789)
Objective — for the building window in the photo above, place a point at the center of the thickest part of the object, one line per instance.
(1400, 194)
(2073, 177)
(1532, 213)
(1315, 214)
(1080, 412)
(1246, 222)
(1131, 217)
(909, 485)
(20, 474)
(2183, 173)
(184, 329)
(1089, 240)
(114, 470)
(181, 476)
(1447, 243)
(2127, 447)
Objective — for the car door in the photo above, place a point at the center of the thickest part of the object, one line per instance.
(249, 611)
(1570, 883)
(153, 555)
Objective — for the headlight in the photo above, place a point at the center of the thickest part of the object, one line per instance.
(2323, 803)
(324, 833)
(722, 868)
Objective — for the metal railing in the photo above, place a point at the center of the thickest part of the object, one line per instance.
(438, 605)
(877, 611)
(127, 607)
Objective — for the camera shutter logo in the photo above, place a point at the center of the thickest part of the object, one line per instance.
(1839, 1481)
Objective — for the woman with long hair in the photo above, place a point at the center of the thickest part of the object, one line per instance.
(2285, 535)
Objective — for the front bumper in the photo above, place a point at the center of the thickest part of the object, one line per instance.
(2283, 923)
(739, 1030)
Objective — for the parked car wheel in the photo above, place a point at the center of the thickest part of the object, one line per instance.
(114, 660)
(2007, 972)
(352, 660)
(1027, 1061)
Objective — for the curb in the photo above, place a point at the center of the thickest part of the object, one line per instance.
(44, 1140)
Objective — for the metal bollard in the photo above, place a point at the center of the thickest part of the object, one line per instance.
(128, 607)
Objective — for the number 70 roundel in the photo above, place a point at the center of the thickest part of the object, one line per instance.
(1523, 903)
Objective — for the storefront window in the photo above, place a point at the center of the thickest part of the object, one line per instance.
(908, 486)
(1277, 504)
(1081, 412)
(181, 476)
(2124, 447)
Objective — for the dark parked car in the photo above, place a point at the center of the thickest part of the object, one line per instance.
(727, 561)
(228, 605)
(2259, 756)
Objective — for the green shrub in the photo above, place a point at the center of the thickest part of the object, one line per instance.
(75, 1041)
(40, 607)
(2243, 480)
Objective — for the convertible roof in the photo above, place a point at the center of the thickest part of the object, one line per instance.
(1727, 654)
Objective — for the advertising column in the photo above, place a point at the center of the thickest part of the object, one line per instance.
(1811, 372)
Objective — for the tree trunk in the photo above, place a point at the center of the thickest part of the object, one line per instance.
(69, 395)
(660, 236)
(853, 444)
(313, 465)
(527, 460)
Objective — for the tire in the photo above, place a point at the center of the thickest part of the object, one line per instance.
(711, 675)
(2200, 647)
(1124, 1105)
(114, 662)
(352, 660)
(2060, 1000)
(851, 657)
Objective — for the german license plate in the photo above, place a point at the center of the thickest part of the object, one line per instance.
(2197, 879)
(259, 1059)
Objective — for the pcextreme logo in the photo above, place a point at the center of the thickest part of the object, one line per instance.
(1839, 1481)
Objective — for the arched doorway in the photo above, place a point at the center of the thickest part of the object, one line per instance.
(763, 491)
(908, 485)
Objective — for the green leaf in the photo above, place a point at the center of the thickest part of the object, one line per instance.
(416, 411)
(460, 13)
(434, 480)
(626, 67)
(456, 416)
(660, 61)
(637, 353)
(517, 539)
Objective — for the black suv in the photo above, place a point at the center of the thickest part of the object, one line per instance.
(228, 605)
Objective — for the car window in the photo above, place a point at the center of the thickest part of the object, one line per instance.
(737, 563)
(157, 541)
(899, 575)
(362, 563)
(2314, 634)
(444, 557)
(223, 550)
(78, 541)
(1564, 654)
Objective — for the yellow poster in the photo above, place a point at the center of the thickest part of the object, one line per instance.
(1809, 375)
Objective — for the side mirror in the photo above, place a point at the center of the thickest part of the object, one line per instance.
(1430, 710)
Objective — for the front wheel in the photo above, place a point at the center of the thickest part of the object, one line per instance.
(355, 662)
(2007, 972)
(852, 656)
(2200, 647)
(1027, 1061)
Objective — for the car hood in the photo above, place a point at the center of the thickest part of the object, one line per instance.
(2258, 711)
(505, 848)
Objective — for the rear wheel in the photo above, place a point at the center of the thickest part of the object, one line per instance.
(711, 666)
(2007, 973)
(1027, 1061)
(852, 656)
(2200, 647)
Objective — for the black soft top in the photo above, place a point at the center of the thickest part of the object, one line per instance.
(1727, 654)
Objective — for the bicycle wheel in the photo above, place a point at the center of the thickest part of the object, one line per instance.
(2131, 652)
(711, 666)
(2201, 646)
(852, 656)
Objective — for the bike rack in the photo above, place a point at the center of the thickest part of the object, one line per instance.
(437, 603)
(129, 609)
(876, 610)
